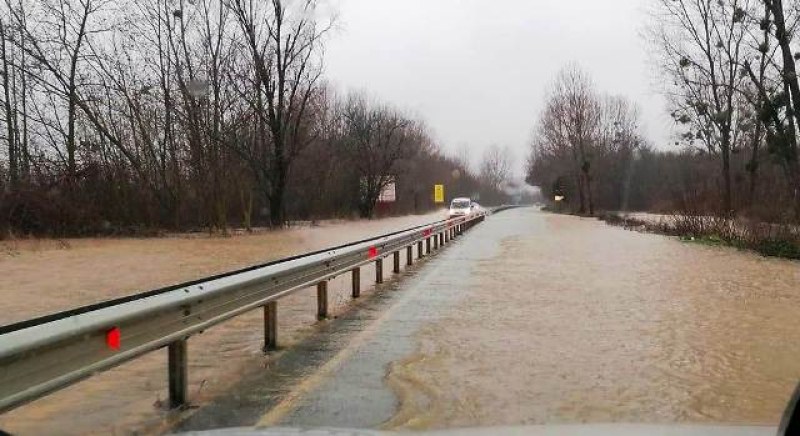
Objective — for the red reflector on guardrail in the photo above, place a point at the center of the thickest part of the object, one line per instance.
(373, 252)
(427, 232)
(112, 338)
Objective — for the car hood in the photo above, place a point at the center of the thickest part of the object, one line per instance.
(533, 430)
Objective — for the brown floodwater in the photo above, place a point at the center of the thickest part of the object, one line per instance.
(568, 320)
(40, 276)
(574, 321)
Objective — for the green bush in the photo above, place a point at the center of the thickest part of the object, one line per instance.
(779, 248)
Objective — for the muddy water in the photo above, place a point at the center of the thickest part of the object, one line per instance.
(574, 321)
(562, 320)
(38, 278)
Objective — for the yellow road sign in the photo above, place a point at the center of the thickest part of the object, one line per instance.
(438, 193)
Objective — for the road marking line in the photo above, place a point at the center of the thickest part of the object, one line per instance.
(292, 400)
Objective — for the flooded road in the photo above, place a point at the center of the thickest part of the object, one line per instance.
(530, 318)
(575, 322)
(536, 318)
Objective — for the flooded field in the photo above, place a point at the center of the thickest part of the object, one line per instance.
(40, 277)
(574, 321)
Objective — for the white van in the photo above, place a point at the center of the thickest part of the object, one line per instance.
(460, 207)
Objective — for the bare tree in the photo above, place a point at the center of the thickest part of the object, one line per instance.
(778, 93)
(283, 47)
(59, 53)
(701, 43)
(584, 144)
(463, 158)
(570, 124)
(11, 133)
(376, 138)
(496, 166)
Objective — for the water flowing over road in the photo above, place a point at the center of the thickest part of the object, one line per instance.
(538, 318)
(530, 318)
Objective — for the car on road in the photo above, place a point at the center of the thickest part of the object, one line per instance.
(461, 206)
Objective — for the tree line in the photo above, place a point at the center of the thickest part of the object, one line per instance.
(584, 144)
(729, 75)
(183, 114)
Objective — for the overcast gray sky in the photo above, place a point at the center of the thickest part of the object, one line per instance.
(478, 71)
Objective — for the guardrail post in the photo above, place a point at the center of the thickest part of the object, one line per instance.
(379, 271)
(441, 239)
(447, 235)
(396, 269)
(428, 245)
(178, 373)
(271, 326)
(356, 282)
(322, 300)
(435, 241)
(409, 255)
(420, 253)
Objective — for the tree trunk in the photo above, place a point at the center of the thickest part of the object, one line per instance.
(276, 215)
(247, 209)
(791, 82)
(72, 95)
(71, 164)
(753, 173)
(13, 159)
(796, 193)
(364, 210)
(727, 202)
(590, 197)
(367, 199)
(24, 151)
(752, 167)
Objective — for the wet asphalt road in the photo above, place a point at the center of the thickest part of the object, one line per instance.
(536, 318)
(337, 378)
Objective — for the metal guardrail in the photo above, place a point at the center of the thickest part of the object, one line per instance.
(46, 354)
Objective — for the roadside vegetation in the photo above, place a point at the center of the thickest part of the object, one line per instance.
(732, 175)
(773, 240)
(125, 117)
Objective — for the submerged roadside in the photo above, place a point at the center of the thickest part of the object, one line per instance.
(49, 280)
(42, 276)
(780, 240)
(767, 239)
